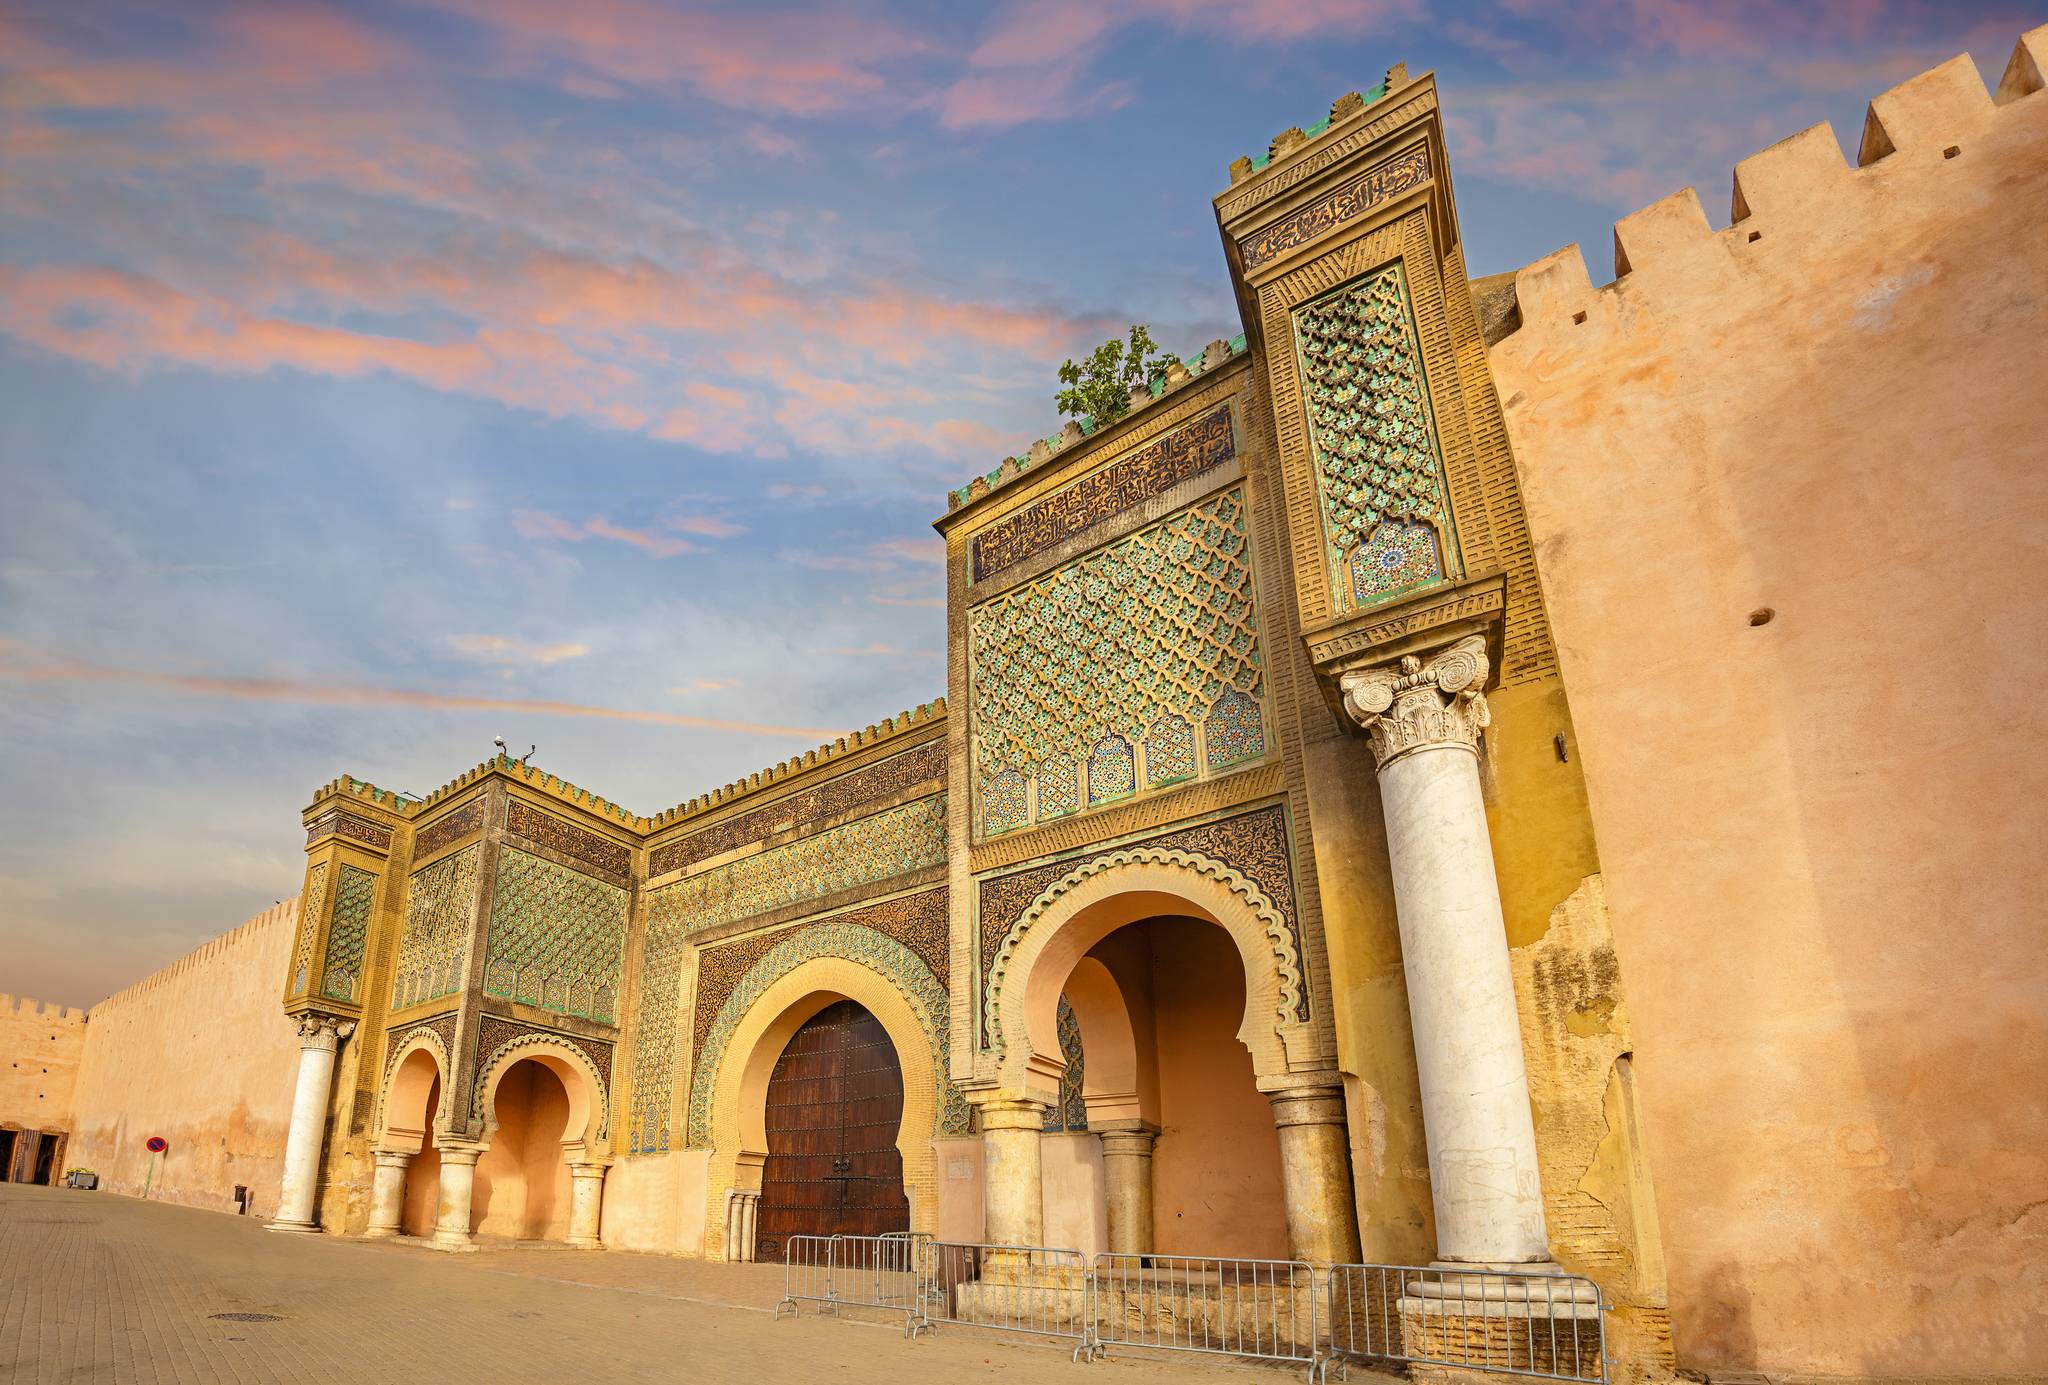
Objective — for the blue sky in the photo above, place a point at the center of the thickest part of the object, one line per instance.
(378, 378)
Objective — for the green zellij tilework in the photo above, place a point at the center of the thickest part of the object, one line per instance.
(557, 939)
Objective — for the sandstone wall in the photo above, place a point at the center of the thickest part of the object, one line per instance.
(1819, 827)
(201, 1054)
(41, 1046)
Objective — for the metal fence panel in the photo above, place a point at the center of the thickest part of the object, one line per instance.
(1549, 1326)
(1041, 1290)
(806, 1273)
(1264, 1309)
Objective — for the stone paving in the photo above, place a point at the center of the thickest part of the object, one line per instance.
(100, 1288)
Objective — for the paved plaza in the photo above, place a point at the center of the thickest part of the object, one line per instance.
(107, 1289)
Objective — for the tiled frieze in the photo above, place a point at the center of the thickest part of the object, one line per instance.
(339, 824)
(557, 938)
(545, 829)
(439, 903)
(663, 948)
(448, 828)
(341, 972)
(1186, 451)
(870, 849)
(1406, 170)
(1148, 645)
(881, 780)
(1379, 472)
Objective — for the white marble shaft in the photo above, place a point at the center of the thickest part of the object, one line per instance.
(1424, 721)
(298, 1191)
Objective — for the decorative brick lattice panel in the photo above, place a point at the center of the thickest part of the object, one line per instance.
(1159, 625)
(1186, 451)
(557, 938)
(550, 831)
(438, 909)
(1379, 472)
(312, 904)
(883, 779)
(1071, 1111)
(341, 974)
(663, 947)
(877, 847)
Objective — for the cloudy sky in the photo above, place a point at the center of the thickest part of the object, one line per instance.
(378, 378)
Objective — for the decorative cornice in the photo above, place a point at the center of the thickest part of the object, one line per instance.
(1407, 170)
(1436, 705)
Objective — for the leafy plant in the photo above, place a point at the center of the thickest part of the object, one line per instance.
(1101, 386)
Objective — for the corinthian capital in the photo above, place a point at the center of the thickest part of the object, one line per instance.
(323, 1031)
(1420, 703)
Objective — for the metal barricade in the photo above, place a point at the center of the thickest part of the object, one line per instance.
(1550, 1326)
(1263, 1309)
(1041, 1290)
(885, 1272)
(806, 1273)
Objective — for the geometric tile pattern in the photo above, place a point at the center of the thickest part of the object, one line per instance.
(1169, 752)
(557, 938)
(831, 938)
(435, 943)
(341, 974)
(889, 843)
(1233, 731)
(1161, 623)
(1373, 438)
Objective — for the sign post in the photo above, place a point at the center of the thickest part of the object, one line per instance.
(156, 1145)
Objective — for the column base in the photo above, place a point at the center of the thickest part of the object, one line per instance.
(297, 1228)
(381, 1233)
(453, 1246)
(1529, 1315)
(584, 1243)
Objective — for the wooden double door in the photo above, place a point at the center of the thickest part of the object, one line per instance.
(835, 1105)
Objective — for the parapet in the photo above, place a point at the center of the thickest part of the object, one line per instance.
(1797, 187)
(1187, 368)
(925, 714)
(21, 1007)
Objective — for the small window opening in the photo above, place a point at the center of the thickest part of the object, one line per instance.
(1755, 236)
(1762, 615)
(1578, 318)
(1952, 151)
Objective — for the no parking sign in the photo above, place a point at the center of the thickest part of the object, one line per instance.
(157, 1144)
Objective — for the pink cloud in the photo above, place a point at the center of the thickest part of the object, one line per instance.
(536, 524)
(708, 526)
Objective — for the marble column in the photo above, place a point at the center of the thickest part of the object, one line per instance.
(586, 1202)
(742, 1212)
(1315, 1172)
(1424, 719)
(319, 1037)
(387, 1191)
(1127, 1181)
(1013, 1189)
(458, 1184)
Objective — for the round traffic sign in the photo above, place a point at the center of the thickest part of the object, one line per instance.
(157, 1144)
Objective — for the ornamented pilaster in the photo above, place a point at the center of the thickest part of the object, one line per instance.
(586, 1201)
(1422, 703)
